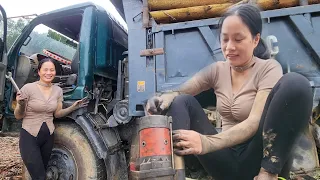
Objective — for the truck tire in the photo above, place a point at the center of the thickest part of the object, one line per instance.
(25, 174)
(72, 156)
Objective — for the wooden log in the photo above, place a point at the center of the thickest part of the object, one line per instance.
(278, 4)
(216, 10)
(190, 13)
(176, 4)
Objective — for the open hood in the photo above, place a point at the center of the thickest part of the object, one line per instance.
(119, 6)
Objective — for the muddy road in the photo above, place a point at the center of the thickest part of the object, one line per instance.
(10, 159)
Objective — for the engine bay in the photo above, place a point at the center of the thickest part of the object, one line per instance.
(66, 76)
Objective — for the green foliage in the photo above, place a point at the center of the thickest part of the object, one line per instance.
(44, 40)
(61, 39)
(14, 30)
(40, 41)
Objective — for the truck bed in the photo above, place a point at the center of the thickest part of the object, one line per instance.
(182, 49)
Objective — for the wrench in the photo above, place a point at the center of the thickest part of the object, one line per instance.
(9, 77)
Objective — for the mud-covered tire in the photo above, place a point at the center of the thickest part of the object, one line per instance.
(25, 174)
(79, 160)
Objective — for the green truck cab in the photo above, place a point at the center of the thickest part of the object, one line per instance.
(89, 46)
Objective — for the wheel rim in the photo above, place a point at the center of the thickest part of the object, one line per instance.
(62, 164)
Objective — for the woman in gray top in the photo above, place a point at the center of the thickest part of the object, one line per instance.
(263, 111)
(37, 103)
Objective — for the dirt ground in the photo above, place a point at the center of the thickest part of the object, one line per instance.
(11, 163)
(10, 159)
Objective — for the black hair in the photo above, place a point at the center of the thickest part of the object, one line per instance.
(45, 60)
(250, 16)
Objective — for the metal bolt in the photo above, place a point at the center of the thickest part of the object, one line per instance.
(165, 142)
(65, 157)
(144, 143)
(122, 112)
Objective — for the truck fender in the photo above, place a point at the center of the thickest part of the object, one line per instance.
(106, 147)
(93, 136)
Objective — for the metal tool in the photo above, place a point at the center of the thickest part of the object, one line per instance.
(9, 76)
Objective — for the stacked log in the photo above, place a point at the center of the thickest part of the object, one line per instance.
(155, 5)
(170, 11)
(189, 13)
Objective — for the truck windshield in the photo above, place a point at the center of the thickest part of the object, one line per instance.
(43, 37)
(1, 26)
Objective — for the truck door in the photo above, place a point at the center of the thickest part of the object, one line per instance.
(3, 50)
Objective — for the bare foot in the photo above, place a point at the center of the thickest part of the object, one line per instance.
(264, 175)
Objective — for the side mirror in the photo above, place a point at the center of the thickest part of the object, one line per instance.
(3, 32)
(1, 47)
(3, 50)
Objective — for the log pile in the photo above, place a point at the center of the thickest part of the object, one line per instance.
(170, 11)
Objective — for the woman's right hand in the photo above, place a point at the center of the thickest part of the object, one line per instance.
(21, 100)
(157, 104)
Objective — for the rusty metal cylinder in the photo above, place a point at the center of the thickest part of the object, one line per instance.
(154, 151)
(155, 142)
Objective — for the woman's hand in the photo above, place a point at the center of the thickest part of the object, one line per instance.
(76, 105)
(20, 110)
(79, 104)
(157, 104)
(186, 142)
(21, 100)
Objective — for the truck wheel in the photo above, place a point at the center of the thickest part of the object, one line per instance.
(72, 156)
(25, 174)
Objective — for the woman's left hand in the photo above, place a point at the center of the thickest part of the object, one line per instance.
(79, 104)
(186, 142)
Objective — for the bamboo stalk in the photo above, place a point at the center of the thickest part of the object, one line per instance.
(190, 13)
(176, 4)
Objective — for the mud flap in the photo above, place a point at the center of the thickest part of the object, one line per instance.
(115, 156)
(113, 162)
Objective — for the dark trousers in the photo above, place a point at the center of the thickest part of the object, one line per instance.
(36, 151)
(285, 116)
